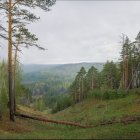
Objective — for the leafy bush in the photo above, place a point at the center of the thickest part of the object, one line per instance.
(39, 105)
(107, 94)
(63, 102)
(136, 91)
(121, 93)
(114, 94)
(94, 94)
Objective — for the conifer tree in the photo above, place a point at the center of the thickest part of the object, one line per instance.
(77, 88)
(130, 63)
(92, 78)
(110, 76)
(126, 49)
(16, 13)
(81, 74)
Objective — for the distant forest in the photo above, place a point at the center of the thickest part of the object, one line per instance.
(57, 87)
(64, 85)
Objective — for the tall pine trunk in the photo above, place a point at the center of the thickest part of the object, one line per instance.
(11, 96)
(126, 73)
(14, 80)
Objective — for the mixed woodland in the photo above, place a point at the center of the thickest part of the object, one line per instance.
(62, 87)
(55, 90)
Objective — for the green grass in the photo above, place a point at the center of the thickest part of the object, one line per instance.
(116, 131)
(93, 111)
(90, 111)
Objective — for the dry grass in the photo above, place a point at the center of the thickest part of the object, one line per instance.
(19, 126)
(28, 110)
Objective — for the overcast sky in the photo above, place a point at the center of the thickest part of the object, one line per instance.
(82, 31)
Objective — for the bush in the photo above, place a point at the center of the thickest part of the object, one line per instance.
(122, 94)
(4, 101)
(114, 94)
(110, 95)
(94, 94)
(136, 91)
(107, 94)
(63, 102)
(39, 105)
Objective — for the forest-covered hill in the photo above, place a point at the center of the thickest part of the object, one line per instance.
(42, 78)
(52, 81)
(34, 73)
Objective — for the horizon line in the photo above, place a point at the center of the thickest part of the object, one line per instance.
(64, 63)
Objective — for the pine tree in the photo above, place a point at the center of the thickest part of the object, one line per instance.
(135, 64)
(130, 58)
(22, 38)
(92, 78)
(110, 75)
(14, 12)
(77, 88)
(81, 74)
(125, 63)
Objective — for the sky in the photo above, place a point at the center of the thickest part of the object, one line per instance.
(81, 31)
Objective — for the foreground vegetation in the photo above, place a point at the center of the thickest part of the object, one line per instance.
(90, 111)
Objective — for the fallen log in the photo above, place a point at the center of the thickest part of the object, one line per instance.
(49, 120)
(123, 120)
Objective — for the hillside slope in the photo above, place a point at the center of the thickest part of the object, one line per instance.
(91, 112)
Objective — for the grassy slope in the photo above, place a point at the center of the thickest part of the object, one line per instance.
(87, 112)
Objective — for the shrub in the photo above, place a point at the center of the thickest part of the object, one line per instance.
(106, 94)
(94, 94)
(63, 102)
(121, 93)
(39, 105)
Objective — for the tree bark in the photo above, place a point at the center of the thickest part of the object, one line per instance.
(11, 96)
(14, 80)
(135, 73)
(51, 121)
